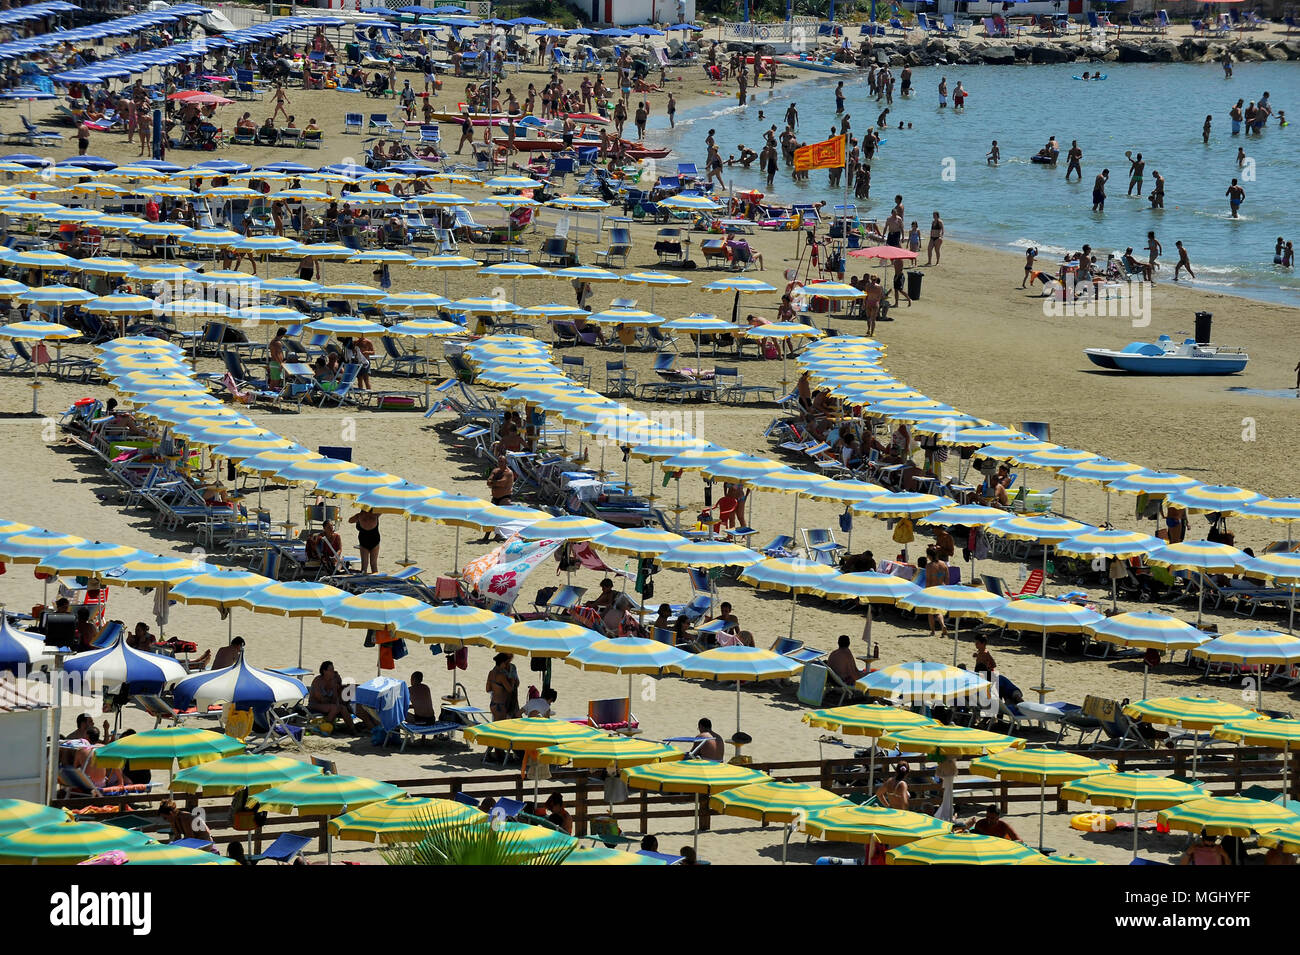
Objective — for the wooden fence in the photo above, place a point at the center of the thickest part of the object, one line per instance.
(1222, 772)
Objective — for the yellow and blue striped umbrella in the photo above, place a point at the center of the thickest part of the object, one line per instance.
(395, 498)
(861, 719)
(9, 288)
(515, 270)
(1147, 630)
(193, 308)
(980, 435)
(252, 771)
(403, 819)
(66, 843)
(625, 316)
(700, 324)
(603, 855)
(377, 610)
(43, 259)
(791, 481)
(482, 306)
(457, 510)
(242, 443)
(567, 528)
(954, 600)
(35, 330)
(654, 277)
(640, 541)
(1013, 448)
(789, 575)
(454, 625)
(36, 545)
(1200, 555)
(346, 325)
(424, 327)
(1049, 616)
(753, 287)
(902, 504)
(88, 560)
(960, 848)
(18, 814)
(586, 273)
(1213, 498)
(356, 483)
(260, 314)
(924, 682)
(119, 305)
(1099, 470)
(975, 515)
(578, 202)
(446, 262)
(220, 588)
(689, 202)
(610, 752)
(541, 638)
(419, 301)
(313, 469)
(1151, 483)
(266, 244)
(159, 748)
(1251, 647)
(872, 824)
(738, 663)
(152, 570)
(1112, 542)
(709, 554)
(267, 463)
(529, 734)
(290, 285)
(1045, 529)
(351, 291)
(1228, 816)
(372, 255)
(630, 655)
(1282, 510)
(512, 182)
(1281, 568)
(164, 273)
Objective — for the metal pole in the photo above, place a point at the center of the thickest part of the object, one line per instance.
(57, 680)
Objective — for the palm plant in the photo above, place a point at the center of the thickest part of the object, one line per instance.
(446, 842)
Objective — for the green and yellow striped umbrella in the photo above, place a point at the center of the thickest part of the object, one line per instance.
(610, 752)
(960, 848)
(403, 819)
(603, 855)
(529, 734)
(871, 824)
(1040, 766)
(865, 720)
(1287, 838)
(1059, 860)
(252, 771)
(1140, 792)
(1190, 712)
(16, 814)
(949, 740)
(158, 854)
(66, 843)
(701, 777)
(323, 795)
(1280, 733)
(1228, 816)
(776, 801)
(159, 748)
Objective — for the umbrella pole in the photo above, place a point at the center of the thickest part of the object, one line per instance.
(956, 637)
(1042, 808)
(737, 706)
(794, 529)
(1200, 600)
(695, 838)
(406, 543)
(1114, 600)
(1044, 568)
(1145, 669)
(849, 547)
(1041, 689)
(651, 495)
(871, 772)
(1290, 620)
(794, 603)
(785, 840)
(302, 624)
(1135, 830)
(455, 560)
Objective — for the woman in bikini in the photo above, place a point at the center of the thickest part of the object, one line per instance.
(892, 793)
(367, 539)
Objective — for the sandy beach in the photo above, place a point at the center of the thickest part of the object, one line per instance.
(973, 339)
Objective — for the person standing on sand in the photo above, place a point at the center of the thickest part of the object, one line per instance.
(1183, 261)
(672, 110)
(1030, 254)
(1236, 195)
(1099, 191)
(1072, 160)
(936, 240)
(1156, 249)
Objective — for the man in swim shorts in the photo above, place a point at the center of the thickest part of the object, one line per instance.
(1235, 196)
(1099, 191)
(1135, 170)
(1072, 160)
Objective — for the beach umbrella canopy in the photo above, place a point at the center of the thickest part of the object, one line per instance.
(869, 587)
(529, 734)
(19, 650)
(566, 528)
(33, 546)
(870, 824)
(251, 771)
(921, 682)
(151, 570)
(862, 719)
(709, 554)
(1045, 529)
(1250, 647)
(1283, 510)
(541, 638)
(325, 794)
(902, 504)
(88, 560)
(452, 625)
(19, 814)
(694, 776)
(603, 855)
(1228, 816)
(772, 800)
(975, 515)
(1042, 766)
(640, 541)
(222, 589)
(789, 575)
(403, 819)
(159, 854)
(119, 665)
(242, 685)
(1151, 483)
(954, 600)
(1190, 712)
(1112, 542)
(610, 752)
(160, 748)
(1282, 568)
(65, 843)
(34, 330)
(949, 740)
(630, 655)
(1213, 498)
(375, 610)
(1287, 838)
(739, 663)
(960, 848)
(1136, 791)
(1147, 630)
(354, 483)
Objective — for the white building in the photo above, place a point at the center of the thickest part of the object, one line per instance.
(622, 13)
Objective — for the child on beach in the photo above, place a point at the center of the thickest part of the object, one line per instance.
(994, 155)
(1183, 261)
(914, 237)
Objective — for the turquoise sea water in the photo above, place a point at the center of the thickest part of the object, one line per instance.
(1157, 110)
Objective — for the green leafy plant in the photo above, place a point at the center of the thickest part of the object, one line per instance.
(448, 843)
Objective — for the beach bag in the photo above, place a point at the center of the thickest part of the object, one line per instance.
(771, 350)
(846, 522)
(903, 532)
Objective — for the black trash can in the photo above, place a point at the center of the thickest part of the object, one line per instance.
(1203, 322)
(914, 284)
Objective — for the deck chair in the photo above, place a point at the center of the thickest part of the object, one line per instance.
(821, 545)
(620, 244)
(813, 681)
(576, 368)
(796, 650)
(561, 601)
(619, 379)
(284, 850)
(614, 715)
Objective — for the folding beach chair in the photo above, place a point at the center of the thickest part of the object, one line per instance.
(284, 850)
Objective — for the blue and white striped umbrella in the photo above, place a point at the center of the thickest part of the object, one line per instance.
(19, 650)
(242, 685)
(118, 665)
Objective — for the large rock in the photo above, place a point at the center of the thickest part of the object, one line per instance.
(1249, 54)
(1133, 53)
(1049, 53)
(999, 54)
(1276, 52)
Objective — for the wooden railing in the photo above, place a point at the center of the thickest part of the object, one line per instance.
(1221, 772)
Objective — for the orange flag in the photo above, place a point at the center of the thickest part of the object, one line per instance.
(828, 154)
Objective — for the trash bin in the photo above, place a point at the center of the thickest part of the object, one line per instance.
(914, 284)
(1203, 322)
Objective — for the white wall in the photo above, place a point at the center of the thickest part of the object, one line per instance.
(22, 754)
(632, 12)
